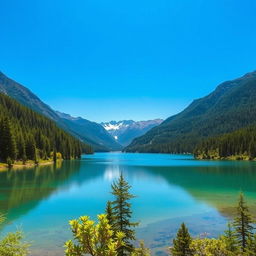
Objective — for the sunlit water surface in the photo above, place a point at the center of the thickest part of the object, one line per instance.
(170, 189)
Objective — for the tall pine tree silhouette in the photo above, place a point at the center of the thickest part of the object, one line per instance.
(243, 223)
(122, 214)
(181, 244)
(8, 147)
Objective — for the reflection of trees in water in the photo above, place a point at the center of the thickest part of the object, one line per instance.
(21, 190)
(217, 185)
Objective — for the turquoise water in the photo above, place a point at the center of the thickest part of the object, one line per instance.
(169, 189)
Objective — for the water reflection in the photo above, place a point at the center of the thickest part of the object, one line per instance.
(169, 189)
(23, 189)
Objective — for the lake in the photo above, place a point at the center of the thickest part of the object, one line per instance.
(170, 189)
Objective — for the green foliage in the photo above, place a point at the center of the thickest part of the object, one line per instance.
(230, 107)
(122, 214)
(141, 251)
(26, 135)
(93, 239)
(238, 145)
(251, 246)
(243, 223)
(181, 244)
(109, 214)
(12, 244)
(230, 239)
(8, 147)
(237, 240)
(210, 247)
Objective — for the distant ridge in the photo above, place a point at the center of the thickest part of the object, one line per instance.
(88, 132)
(230, 107)
(126, 130)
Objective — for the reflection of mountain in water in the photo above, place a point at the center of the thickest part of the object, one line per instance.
(217, 185)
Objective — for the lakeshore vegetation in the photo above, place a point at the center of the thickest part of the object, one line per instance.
(238, 145)
(114, 234)
(26, 135)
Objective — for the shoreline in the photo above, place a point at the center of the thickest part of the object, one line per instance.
(228, 158)
(4, 167)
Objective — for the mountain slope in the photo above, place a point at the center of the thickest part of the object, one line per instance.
(25, 134)
(78, 125)
(86, 131)
(127, 130)
(230, 107)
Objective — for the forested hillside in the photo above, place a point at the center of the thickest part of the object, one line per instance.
(238, 145)
(27, 135)
(89, 132)
(230, 107)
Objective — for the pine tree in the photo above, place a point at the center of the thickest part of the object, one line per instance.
(109, 214)
(8, 146)
(230, 239)
(181, 244)
(31, 147)
(122, 214)
(251, 247)
(54, 155)
(243, 223)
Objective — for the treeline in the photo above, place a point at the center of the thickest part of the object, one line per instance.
(239, 145)
(174, 147)
(27, 135)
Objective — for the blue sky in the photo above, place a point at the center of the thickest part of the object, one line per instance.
(137, 59)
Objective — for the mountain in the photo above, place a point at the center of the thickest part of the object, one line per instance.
(125, 131)
(230, 107)
(91, 132)
(88, 132)
(27, 135)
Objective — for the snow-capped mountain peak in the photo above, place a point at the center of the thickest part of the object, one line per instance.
(113, 126)
(126, 130)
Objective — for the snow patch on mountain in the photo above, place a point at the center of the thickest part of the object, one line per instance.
(126, 130)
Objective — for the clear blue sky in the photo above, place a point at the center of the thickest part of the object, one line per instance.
(119, 59)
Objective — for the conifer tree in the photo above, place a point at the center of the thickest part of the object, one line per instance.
(8, 146)
(243, 223)
(54, 156)
(109, 214)
(22, 149)
(251, 247)
(26, 135)
(182, 242)
(122, 214)
(230, 239)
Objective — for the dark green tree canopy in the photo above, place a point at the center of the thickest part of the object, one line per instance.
(25, 134)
